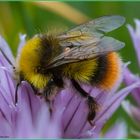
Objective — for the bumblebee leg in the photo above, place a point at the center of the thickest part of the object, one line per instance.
(47, 93)
(36, 92)
(93, 107)
(52, 88)
(92, 104)
(16, 93)
(50, 106)
(48, 101)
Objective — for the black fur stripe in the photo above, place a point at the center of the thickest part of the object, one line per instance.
(98, 75)
(46, 51)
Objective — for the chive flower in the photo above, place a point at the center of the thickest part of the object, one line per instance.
(129, 78)
(31, 118)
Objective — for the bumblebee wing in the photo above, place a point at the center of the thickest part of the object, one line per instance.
(87, 41)
(75, 54)
(96, 28)
(101, 25)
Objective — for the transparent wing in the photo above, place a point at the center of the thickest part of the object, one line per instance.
(101, 25)
(105, 45)
(87, 41)
(91, 31)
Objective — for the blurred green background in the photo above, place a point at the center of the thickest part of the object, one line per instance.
(31, 18)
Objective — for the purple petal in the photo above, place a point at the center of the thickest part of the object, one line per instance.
(137, 22)
(117, 131)
(7, 82)
(6, 49)
(130, 78)
(133, 111)
(5, 107)
(75, 124)
(21, 43)
(5, 127)
(31, 116)
(135, 35)
(101, 97)
(54, 129)
(27, 109)
(37, 115)
(136, 113)
(74, 108)
(109, 107)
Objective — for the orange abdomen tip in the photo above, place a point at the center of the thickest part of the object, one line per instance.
(113, 71)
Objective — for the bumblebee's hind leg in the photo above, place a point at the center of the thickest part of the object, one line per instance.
(93, 107)
(92, 104)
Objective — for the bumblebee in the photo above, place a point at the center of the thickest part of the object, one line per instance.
(83, 55)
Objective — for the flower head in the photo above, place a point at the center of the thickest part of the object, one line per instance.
(129, 78)
(135, 35)
(31, 116)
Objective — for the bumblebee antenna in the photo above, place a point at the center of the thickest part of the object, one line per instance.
(6, 57)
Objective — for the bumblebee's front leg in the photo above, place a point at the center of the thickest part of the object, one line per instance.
(53, 87)
(50, 90)
(48, 93)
